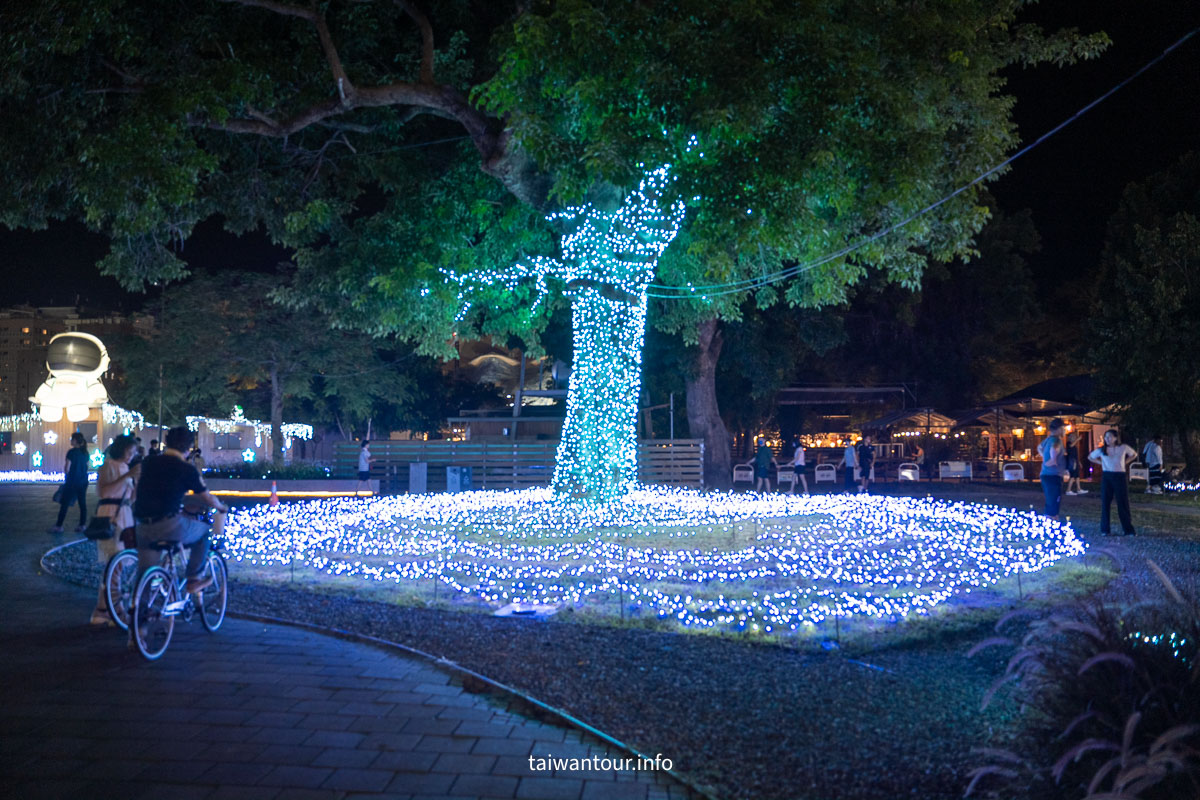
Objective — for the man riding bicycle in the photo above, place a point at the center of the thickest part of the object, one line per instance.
(159, 509)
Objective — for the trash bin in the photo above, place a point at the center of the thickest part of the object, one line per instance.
(458, 479)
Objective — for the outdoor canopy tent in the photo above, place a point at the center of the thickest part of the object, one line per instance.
(922, 419)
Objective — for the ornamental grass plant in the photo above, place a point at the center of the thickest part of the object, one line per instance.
(1109, 703)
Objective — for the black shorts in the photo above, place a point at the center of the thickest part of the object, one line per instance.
(364, 476)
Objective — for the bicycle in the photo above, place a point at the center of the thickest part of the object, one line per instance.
(160, 598)
(120, 582)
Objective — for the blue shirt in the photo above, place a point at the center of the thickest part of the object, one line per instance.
(1052, 466)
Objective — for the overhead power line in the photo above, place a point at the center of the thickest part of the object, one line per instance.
(734, 287)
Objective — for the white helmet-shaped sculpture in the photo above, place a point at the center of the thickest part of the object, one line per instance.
(76, 361)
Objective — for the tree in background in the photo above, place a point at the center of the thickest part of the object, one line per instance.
(804, 142)
(221, 340)
(1146, 315)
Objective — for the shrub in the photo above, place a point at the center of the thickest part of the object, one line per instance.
(268, 471)
(1110, 704)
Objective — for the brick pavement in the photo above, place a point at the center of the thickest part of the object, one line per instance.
(254, 711)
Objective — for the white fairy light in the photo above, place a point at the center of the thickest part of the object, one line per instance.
(785, 562)
(608, 260)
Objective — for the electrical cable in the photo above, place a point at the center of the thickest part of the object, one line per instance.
(747, 284)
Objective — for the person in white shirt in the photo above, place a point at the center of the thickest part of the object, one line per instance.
(1114, 458)
(364, 467)
(1152, 455)
(798, 468)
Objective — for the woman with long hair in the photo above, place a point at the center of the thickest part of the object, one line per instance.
(1114, 458)
(115, 485)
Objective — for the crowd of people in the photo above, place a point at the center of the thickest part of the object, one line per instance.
(141, 503)
(858, 461)
(1060, 475)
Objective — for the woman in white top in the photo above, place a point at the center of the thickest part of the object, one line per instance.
(1114, 458)
(798, 468)
(364, 467)
(115, 484)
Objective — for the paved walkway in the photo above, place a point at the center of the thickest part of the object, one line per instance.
(253, 711)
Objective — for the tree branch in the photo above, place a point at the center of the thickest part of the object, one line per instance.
(426, 38)
(500, 156)
(344, 87)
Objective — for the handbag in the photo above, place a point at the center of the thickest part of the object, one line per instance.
(100, 528)
(103, 528)
(58, 494)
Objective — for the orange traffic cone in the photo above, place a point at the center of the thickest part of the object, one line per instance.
(274, 501)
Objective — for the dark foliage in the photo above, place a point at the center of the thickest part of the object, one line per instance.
(1110, 704)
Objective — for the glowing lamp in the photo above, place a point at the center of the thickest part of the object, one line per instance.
(77, 413)
(19, 448)
(50, 437)
(248, 456)
(50, 413)
(36, 458)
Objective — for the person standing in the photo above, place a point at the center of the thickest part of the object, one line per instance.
(75, 481)
(364, 466)
(1153, 457)
(1053, 467)
(866, 460)
(1114, 459)
(1073, 487)
(764, 459)
(114, 485)
(798, 467)
(850, 462)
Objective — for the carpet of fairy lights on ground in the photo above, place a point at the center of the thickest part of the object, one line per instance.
(736, 562)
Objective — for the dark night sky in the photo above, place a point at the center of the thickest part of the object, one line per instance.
(1072, 182)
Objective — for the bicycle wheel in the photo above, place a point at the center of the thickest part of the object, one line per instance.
(152, 623)
(215, 596)
(120, 578)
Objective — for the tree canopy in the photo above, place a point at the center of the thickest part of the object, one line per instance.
(1146, 314)
(392, 148)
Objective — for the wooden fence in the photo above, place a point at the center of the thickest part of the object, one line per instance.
(508, 465)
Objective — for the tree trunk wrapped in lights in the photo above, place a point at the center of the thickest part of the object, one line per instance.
(607, 260)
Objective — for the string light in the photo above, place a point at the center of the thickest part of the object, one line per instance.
(129, 420)
(784, 562)
(237, 420)
(35, 476)
(608, 260)
(20, 422)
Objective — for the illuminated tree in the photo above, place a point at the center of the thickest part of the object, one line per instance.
(407, 157)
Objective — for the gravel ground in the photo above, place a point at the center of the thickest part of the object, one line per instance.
(746, 718)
